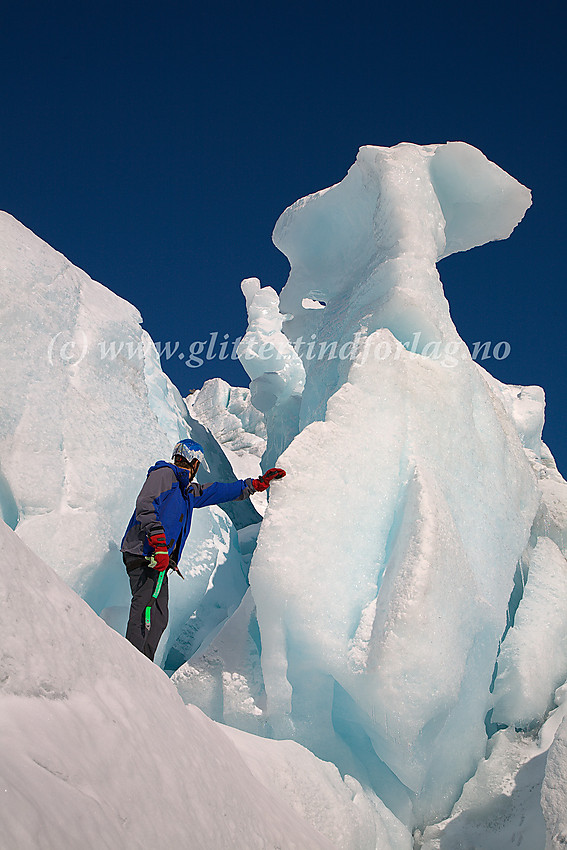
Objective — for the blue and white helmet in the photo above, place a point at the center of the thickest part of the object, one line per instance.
(190, 450)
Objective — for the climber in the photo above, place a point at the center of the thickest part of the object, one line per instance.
(158, 529)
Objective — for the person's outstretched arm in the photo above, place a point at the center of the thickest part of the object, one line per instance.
(217, 493)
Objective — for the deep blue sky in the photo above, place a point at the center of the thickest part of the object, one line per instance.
(155, 145)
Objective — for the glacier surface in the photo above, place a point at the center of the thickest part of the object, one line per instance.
(388, 642)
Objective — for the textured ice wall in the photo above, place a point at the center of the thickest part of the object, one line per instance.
(554, 790)
(386, 560)
(237, 425)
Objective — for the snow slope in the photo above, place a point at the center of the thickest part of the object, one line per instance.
(98, 749)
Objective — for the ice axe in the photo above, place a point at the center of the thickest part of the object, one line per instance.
(172, 566)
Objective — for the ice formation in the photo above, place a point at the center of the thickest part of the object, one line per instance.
(236, 424)
(275, 367)
(516, 796)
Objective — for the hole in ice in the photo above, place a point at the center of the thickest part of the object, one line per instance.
(313, 304)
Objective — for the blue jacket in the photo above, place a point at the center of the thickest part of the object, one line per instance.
(166, 503)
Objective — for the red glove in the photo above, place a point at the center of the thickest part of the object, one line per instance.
(263, 482)
(161, 555)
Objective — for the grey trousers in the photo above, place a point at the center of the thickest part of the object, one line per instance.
(143, 581)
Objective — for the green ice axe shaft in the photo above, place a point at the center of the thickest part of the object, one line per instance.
(155, 594)
(148, 612)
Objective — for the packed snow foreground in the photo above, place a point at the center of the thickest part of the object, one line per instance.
(386, 648)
